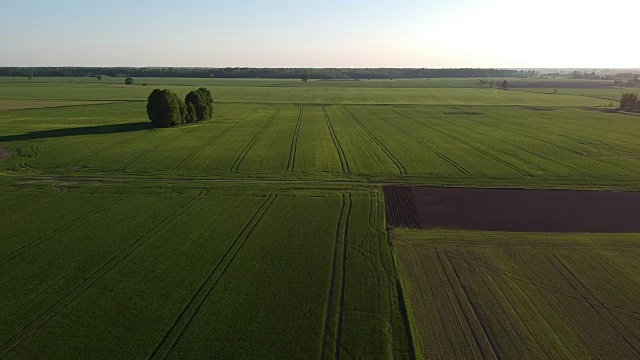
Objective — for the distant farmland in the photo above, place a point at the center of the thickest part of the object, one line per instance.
(262, 233)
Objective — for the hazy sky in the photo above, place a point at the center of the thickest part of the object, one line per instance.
(329, 33)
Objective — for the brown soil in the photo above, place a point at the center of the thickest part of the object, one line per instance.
(515, 210)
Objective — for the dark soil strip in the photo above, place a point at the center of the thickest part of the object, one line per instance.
(343, 159)
(400, 207)
(192, 308)
(255, 138)
(517, 210)
(294, 142)
(44, 317)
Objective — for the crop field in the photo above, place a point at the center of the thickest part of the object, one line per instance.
(487, 295)
(469, 145)
(264, 233)
(175, 271)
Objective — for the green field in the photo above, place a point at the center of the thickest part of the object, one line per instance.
(261, 234)
(522, 295)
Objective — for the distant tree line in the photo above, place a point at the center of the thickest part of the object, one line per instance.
(620, 79)
(629, 101)
(165, 108)
(266, 73)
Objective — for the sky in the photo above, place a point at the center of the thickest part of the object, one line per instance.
(330, 33)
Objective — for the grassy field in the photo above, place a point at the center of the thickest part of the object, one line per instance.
(523, 295)
(176, 270)
(261, 233)
(529, 146)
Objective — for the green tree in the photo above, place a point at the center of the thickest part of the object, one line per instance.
(165, 109)
(305, 76)
(199, 105)
(629, 101)
(128, 81)
(492, 83)
(505, 85)
(99, 77)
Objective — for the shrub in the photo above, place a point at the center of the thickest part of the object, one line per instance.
(128, 81)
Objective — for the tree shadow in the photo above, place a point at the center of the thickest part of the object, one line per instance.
(79, 131)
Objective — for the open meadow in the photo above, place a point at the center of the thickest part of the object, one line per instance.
(262, 233)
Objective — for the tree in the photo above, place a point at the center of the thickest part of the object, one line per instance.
(30, 76)
(629, 101)
(305, 76)
(99, 77)
(636, 82)
(128, 81)
(505, 85)
(199, 105)
(492, 83)
(165, 108)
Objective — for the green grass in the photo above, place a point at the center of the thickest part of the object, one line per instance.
(524, 296)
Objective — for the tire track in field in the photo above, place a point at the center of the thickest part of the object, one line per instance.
(344, 164)
(344, 277)
(334, 272)
(39, 321)
(540, 156)
(498, 292)
(294, 142)
(569, 150)
(521, 278)
(176, 331)
(145, 152)
(190, 157)
(401, 169)
(466, 143)
(492, 346)
(26, 247)
(36, 152)
(439, 154)
(247, 148)
(585, 289)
